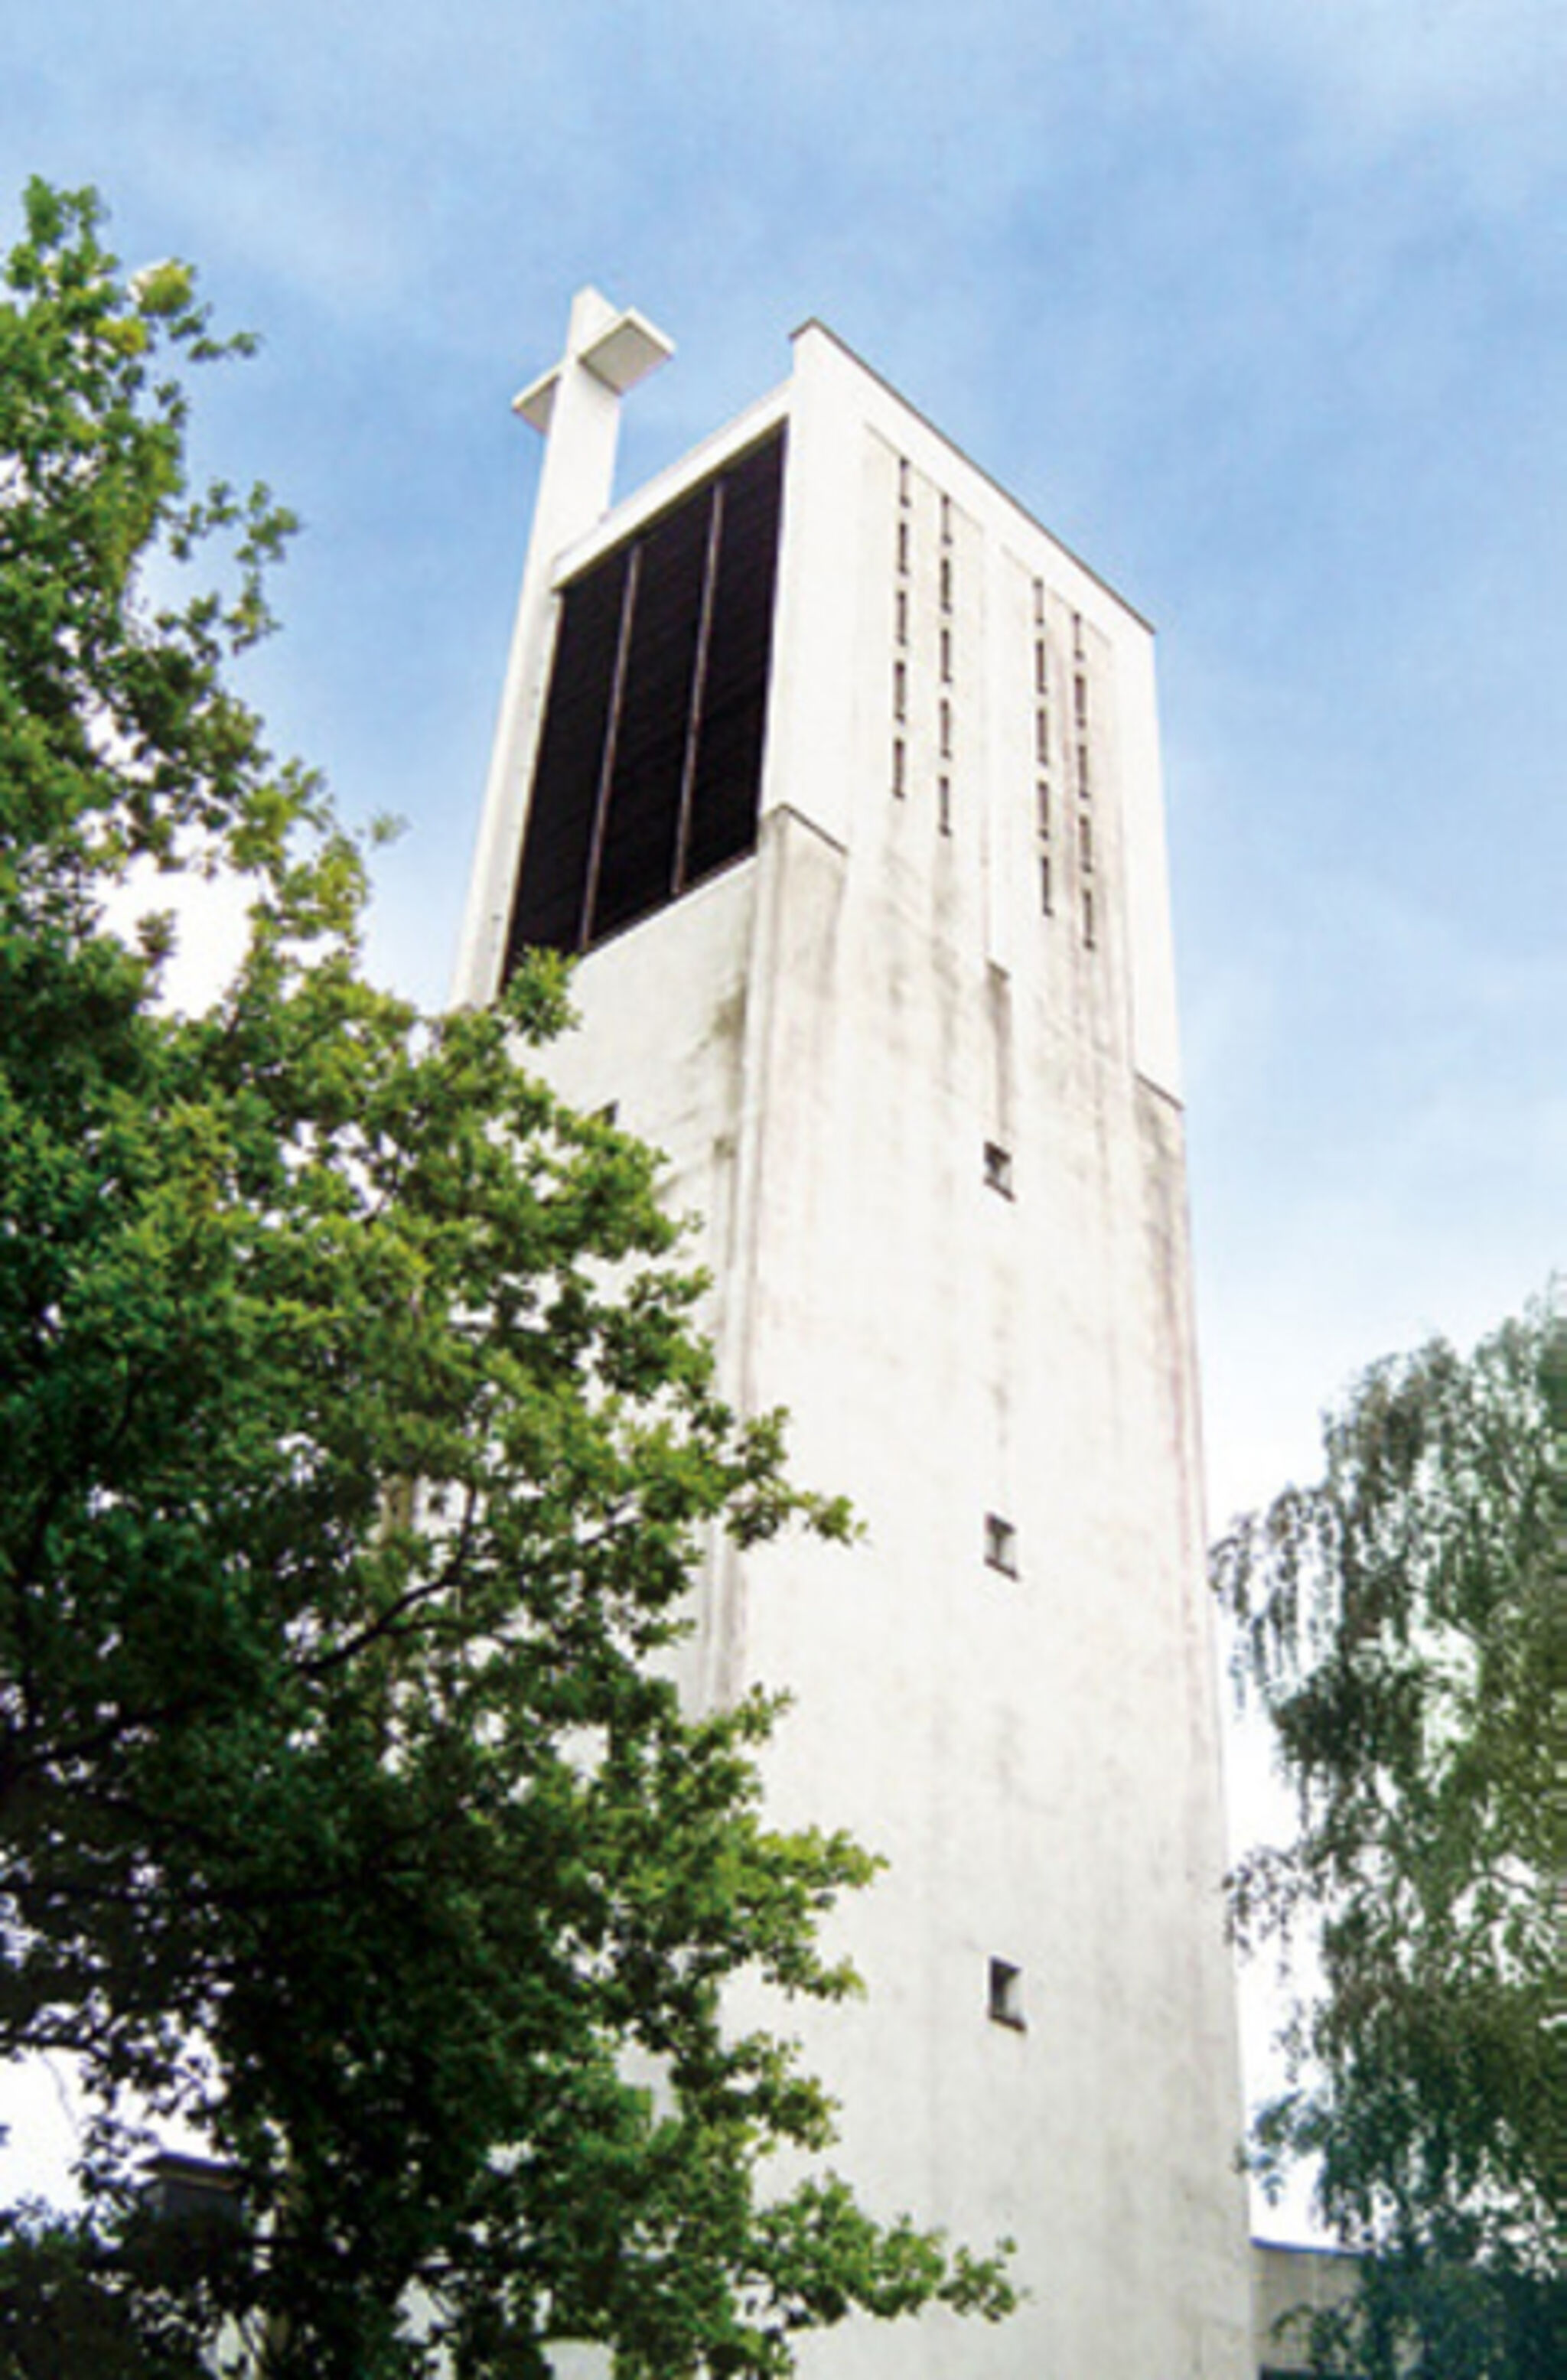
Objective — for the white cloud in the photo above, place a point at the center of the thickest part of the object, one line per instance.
(1486, 77)
(285, 209)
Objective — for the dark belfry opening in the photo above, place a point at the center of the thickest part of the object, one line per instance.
(649, 774)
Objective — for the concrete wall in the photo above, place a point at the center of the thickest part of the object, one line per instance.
(823, 1040)
(1289, 2286)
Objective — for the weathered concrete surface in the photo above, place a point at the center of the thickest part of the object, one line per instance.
(824, 1040)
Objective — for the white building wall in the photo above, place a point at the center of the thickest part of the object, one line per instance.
(824, 1040)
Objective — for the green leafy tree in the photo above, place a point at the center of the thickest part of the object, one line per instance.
(1402, 1623)
(77, 2303)
(355, 1448)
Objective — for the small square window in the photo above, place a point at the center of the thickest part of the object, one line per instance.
(1006, 1995)
(1000, 1545)
(998, 1168)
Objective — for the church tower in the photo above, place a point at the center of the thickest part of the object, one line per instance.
(842, 776)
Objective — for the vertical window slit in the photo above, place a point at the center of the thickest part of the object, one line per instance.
(611, 737)
(1000, 1545)
(699, 685)
(1005, 2001)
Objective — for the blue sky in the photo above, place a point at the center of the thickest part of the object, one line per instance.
(1258, 303)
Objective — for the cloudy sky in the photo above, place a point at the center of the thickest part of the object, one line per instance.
(1258, 303)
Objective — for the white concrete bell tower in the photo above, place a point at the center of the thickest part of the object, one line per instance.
(842, 777)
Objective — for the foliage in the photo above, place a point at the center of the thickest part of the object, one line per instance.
(353, 1822)
(1402, 1624)
(77, 2303)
